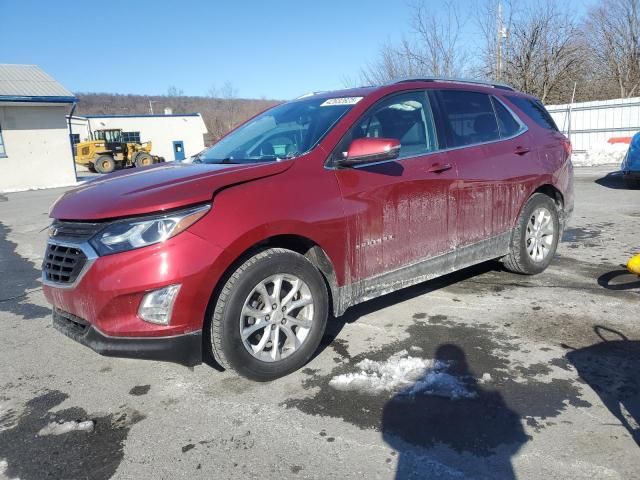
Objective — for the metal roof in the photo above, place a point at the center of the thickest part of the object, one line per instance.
(28, 83)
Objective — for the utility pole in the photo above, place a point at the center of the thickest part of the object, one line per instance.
(151, 102)
(501, 34)
(499, 43)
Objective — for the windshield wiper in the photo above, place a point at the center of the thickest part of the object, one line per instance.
(215, 161)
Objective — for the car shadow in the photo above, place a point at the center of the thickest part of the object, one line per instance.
(612, 369)
(353, 314)
(481, 423)
(612, 280)
(613, 180)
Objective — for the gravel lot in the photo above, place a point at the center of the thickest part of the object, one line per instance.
(553, 362)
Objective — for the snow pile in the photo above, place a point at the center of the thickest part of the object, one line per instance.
(604, 154)
(55, 428)
(405, 375)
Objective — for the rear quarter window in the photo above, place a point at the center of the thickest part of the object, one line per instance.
(535, 111)
(509, 126)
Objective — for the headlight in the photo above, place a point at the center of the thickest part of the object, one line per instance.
(133, 233)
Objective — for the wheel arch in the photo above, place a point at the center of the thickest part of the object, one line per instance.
(301, 244)
(552, 192)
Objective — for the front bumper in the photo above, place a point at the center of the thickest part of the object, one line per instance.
(99, 308)
(184, 349)
(108, 292)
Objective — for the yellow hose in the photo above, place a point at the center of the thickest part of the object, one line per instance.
(634, 265)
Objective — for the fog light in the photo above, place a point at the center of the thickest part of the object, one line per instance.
(156, 306)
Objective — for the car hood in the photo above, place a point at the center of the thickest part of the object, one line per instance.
(156, 188)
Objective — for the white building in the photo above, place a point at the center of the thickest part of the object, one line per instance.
(173, 136)
(35, 151)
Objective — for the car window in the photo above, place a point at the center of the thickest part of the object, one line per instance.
(507, 125)
(406, 117)
(535, 111)
(285, 131)
(470, 117)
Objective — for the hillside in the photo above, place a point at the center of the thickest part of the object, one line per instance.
(219, 114)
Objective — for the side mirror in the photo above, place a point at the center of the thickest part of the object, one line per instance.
(365, 150)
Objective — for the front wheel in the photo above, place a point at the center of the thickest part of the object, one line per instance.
(105, 164)
(270, 315)
(535, 237)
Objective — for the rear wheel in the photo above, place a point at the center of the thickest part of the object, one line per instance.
(91, 167)
(104, 164)
(270, 316)
(143, 159)
(535, 238)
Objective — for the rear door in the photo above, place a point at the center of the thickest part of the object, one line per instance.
(489, 145)
(398, 211)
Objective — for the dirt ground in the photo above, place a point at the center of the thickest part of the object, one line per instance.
(553, 362)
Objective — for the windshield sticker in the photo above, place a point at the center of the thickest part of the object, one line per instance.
(341, 101)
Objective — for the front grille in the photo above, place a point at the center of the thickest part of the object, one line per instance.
(62, 264)
(75, 231)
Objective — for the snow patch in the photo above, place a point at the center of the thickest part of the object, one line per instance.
(55, 428)
(404, 375)
(486, 378)
(604, 154)
(43, 187)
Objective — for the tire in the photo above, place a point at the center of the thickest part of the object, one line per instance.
(240, 293)
(143, 159)
(91, 167)
(519, 259)
(104, 164)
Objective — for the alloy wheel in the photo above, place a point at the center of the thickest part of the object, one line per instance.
(540, 234)
(276, 317)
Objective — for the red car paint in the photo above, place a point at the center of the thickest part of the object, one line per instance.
(365, 222)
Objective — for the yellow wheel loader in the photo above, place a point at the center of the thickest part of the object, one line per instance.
(106, 151)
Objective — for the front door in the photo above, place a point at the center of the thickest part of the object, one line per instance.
(397, 211)
(178, 150)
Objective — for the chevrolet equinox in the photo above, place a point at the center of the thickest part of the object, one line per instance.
(303, 211)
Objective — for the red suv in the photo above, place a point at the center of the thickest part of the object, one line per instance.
(306, 209)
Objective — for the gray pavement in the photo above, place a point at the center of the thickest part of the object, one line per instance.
(553, 360)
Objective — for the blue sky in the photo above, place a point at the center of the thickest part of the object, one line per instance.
(271, 48)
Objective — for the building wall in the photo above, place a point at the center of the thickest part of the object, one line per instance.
(594, 123)
(38, 150)
(161, 130)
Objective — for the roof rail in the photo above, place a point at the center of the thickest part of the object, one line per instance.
(454, 80)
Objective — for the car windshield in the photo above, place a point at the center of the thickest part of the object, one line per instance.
(282, 132)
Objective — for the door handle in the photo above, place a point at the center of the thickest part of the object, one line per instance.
(522, 150)
(439, 167)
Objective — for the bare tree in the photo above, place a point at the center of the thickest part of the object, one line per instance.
(228, 108)
(543, 50)
(493, 21)
(613, 29)
(174, 91)
(432, 48)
